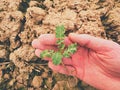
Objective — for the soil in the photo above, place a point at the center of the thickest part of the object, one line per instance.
(21, 21)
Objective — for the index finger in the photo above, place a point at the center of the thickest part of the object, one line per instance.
(47, 39)
(50, 39)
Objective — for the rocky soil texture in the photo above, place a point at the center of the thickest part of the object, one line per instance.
(21, 21)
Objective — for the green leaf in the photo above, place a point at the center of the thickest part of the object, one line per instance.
(70, 50)
(66, 54)
(46, 53)
(57, 58)
(60, 32)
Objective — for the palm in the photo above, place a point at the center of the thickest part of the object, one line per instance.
(92, 66)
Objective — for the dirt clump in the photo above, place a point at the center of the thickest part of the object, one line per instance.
(9, 5)
(37, 81)
(112, 24)
(10, 26)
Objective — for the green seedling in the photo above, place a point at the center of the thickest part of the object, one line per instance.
(62, 51)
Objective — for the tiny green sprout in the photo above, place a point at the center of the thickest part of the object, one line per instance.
(63, 51)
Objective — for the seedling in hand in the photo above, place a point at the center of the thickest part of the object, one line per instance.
(62, 51)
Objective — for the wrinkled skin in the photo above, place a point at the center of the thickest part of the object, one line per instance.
(97, 61)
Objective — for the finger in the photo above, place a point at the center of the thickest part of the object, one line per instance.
(50, 39)
(69, 70)
(37, 53)
(47, 39)
(36, 44)
(91, 41)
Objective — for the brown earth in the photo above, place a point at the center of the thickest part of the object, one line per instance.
(21, 21)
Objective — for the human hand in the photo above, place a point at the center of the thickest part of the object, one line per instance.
(97, 61)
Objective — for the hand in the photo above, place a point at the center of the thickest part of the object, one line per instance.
(97, 61)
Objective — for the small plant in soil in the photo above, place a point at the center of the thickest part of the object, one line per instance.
(62, 51)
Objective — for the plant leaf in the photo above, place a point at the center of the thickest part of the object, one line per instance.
(70, 50)
(46, 53)
(60, 32)
(57, 58)
(66, 54)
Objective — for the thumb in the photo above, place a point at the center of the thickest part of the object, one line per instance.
(91, 42)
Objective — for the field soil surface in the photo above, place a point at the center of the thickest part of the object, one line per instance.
(22, 21)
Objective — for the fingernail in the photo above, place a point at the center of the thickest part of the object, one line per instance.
(71, 34)
(37, 52)
(34, 42)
